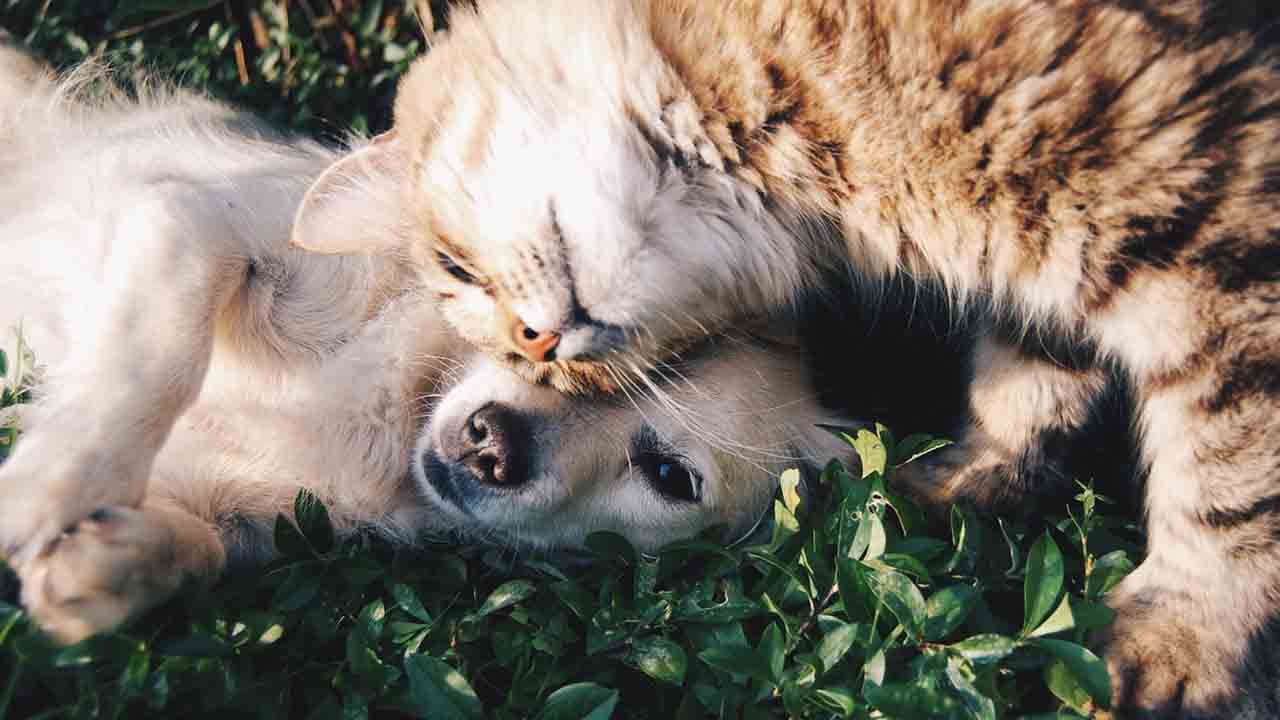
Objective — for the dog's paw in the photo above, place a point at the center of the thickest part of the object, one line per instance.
(1162, 666)
(49, 489)
(100, 572)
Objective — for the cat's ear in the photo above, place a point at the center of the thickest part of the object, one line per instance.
(356, 205)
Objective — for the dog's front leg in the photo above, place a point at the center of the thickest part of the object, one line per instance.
(143, 283)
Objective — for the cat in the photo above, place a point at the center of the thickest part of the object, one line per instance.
(590, 187)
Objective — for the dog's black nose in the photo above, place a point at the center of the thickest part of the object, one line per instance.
(494, 446)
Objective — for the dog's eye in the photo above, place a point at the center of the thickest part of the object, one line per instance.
(671, 477)
(454, 269)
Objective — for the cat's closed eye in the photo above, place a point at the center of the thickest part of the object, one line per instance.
(452, 267)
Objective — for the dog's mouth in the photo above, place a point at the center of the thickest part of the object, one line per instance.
(450, 489)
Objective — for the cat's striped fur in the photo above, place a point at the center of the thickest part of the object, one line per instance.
(1104, 172)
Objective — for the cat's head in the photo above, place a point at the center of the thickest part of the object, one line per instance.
(547, 181)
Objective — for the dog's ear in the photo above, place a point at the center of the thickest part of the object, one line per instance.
(356, 205)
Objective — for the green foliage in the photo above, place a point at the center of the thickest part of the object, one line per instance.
(322, 66)
(15, 377)
(846, 611)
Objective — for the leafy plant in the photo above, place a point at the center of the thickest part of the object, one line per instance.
(327, 67)
(15, 375)
(852, 609)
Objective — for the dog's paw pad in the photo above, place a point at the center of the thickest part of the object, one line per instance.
(99, 572)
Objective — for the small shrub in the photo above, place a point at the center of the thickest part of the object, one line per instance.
(852, 609)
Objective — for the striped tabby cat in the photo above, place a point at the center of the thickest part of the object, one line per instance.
(590, 186)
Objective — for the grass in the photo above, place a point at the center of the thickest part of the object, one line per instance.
(856, 607)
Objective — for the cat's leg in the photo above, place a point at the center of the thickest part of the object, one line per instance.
(1195, 620)
(1024, 406)
(138, 291)
(116, 563)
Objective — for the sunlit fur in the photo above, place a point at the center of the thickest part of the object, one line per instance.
(195, 371)
(1103, 173)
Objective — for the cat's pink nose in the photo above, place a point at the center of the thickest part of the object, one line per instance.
(535, 346)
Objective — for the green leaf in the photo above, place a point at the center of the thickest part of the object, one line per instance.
(289, 540)
(313, 521)
(773, 649)
(905, 564)
(133, 680)
(912, 700)
(785, 524)
(1043, 585)
(507, 594)
(902, 597)
(924, 549)
(789, 483)
(690, 610)
(946, 609)
(739, 661)
(966, 537)
(836, 699)
(1064, 686)
(1107, 572)
(574, 596)
(364, 660)
(408, 601)
(1088, 669)
(299, 588)
(440, 692)
(794, 571)
(855, 589)
(1090, 615)
(836, 643)
(985, 649)
(877, 539)
(660, 659)
(580, 701)
(873, 671)
(371, 619)
(607, 544)
(1061, 619)
(961, 677)
(913, 447)
(871, 451)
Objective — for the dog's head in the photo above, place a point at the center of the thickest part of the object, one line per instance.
(700, 444)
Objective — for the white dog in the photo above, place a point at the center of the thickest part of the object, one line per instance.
(195, 371)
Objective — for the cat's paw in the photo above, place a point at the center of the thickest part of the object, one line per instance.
(1162, 666)
(100, 572)
(988, 478)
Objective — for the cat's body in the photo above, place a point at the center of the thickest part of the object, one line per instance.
(1106, 173)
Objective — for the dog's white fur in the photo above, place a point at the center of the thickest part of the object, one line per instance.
(196, 371)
